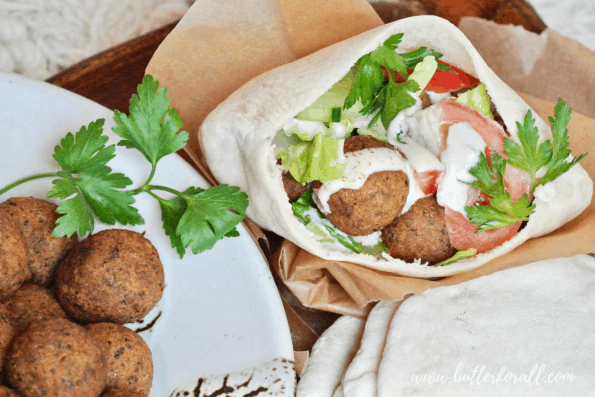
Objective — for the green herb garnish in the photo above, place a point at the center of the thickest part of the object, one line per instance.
(381, 97)
(89, 189)
(528, 155)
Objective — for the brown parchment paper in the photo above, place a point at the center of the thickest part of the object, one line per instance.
(220, 45)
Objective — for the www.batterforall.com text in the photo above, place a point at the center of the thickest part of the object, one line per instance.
(479, 375)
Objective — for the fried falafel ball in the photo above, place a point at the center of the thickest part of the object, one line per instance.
(56, 358)
(36, 219)
(6, 392)
(122, 393)
(7, 332)
(420, 233)
(128, 358)
(114, 275)
(31, 304)
(293, 188)
(373, 206)
(14, 260)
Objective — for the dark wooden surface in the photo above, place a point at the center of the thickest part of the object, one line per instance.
(111, 77)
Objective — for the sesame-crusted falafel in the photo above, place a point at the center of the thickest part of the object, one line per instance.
(14, 262)
(373, 206)
(36, 219)
(30, 304)
(420, 233)
(56, 358)
(128, 358)
(114, 275)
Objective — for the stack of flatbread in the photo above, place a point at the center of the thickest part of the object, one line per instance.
(525, 331)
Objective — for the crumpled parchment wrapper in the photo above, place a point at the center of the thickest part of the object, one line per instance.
(219, 46)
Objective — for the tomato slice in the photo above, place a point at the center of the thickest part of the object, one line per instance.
(443, 81)
(447, 81)
(463, 234)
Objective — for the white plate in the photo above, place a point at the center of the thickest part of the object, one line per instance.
(221, 311)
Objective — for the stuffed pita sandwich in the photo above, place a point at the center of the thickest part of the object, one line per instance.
(398, 149)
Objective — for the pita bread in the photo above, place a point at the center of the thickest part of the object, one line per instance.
(361, 375)
(237, 139)
(525, 331)
(331, 354)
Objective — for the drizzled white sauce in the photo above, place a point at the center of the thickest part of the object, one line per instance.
(463, 146)
(369, 240)
(436, 97)
(415, 192)
(400, 124)
(425, 129)
(360, 165)
(305, 126)
(340, 130)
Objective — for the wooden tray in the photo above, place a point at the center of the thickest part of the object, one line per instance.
(111, 77)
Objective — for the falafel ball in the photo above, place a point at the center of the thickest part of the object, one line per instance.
(6, 392)
(121, 393)
(7, 332)
(420, 233)
(293, 188)
(36, 219)
(30, 304)
(128, 358)
(114, 275)
(373, 206)
(14, 260)
(56, 358)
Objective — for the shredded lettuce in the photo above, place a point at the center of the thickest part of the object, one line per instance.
(478, 99)
(316, 157)
(330, 104)
(457, 257)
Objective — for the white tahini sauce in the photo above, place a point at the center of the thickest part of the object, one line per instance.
(436, 97)
(369, 240)
(424, 128)
(463, 146)
(400, 124)
(360, 165)
(305, 126)
(340, 130)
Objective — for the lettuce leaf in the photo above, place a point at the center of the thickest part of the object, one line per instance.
(308, 158)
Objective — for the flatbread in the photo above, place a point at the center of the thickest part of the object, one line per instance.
(331, 354)
(237, 139)
(525, 331)
(361, 375)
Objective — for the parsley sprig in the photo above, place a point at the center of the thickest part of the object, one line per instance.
(385, 98)
(88, 188)
(530, 155)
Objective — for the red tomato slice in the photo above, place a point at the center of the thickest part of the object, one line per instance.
(463, 234)
(455, 112)
(447, 81)
(461, 231)
(428, 180)
(442, 81)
